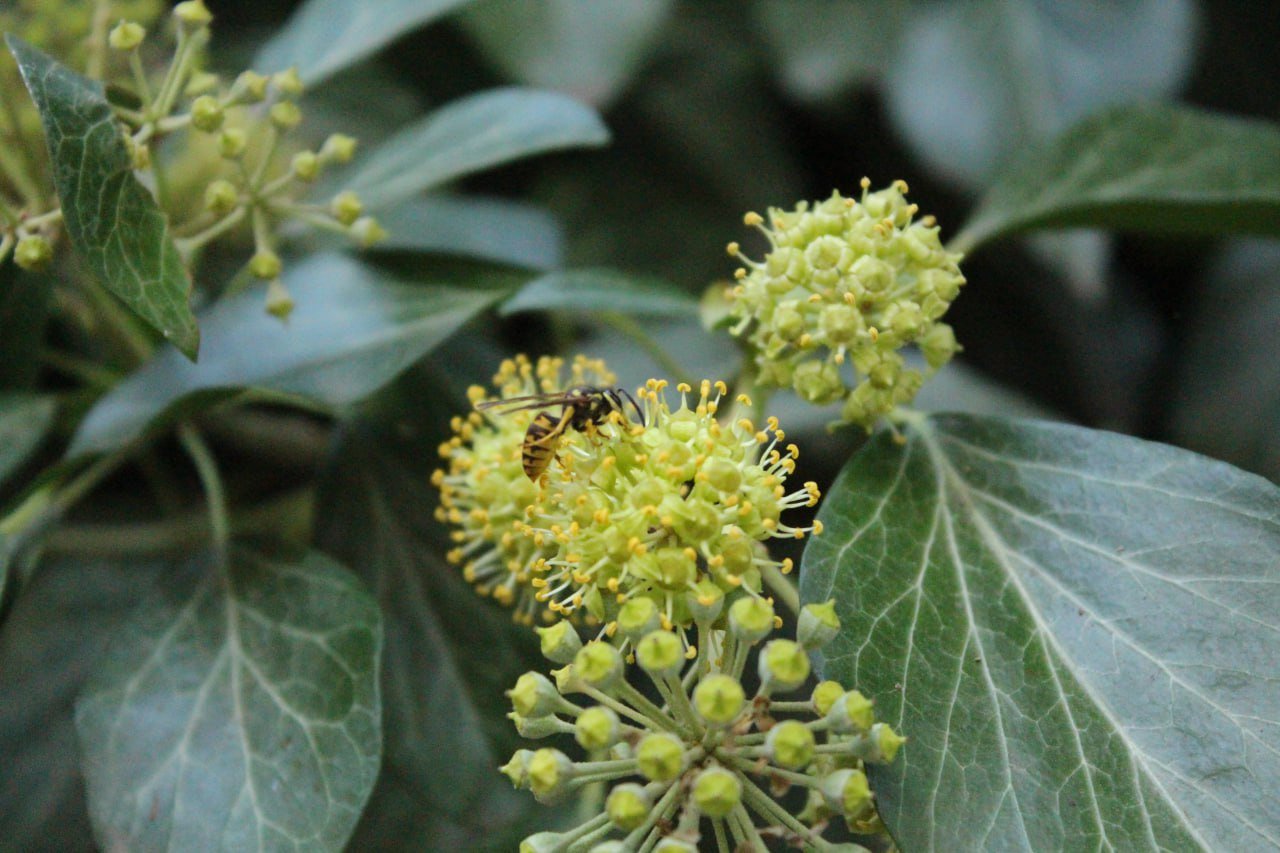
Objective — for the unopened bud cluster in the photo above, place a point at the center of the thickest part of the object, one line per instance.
(707, 760)
(844, 286)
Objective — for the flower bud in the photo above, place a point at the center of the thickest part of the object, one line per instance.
(534, 695)
(597, 728)
(367, 231)
(751, 619)
(221, 197)
(850, 713)
(286, 116)
(599, 665)
(201, 83)
(885, 742)
(671, 844)
(339, 148)
(939, 345)
(818, 625)
(706, 601)
(346, 207)
(517, 769)
(250, 87)
(660, 757)
(139, 155)
(231, 142)
(614, 846)
(536, 728)
(559, 642)
(33, 253)
(661, 654)
(790, 745)
(544, 842)
(288, 82)
(783, 665)
(126, 35)
(817, 382)
(628, 806)
(718, 699)
(847, 792)
(637, 618)
(279, 303)
(825, 695)
(716, 791)
(265, 264)
(305, 165)
(207, 114)
(193, 14)
(550, 772)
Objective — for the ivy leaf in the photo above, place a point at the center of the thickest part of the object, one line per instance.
(445, 725)
(237, 710)
(470, 134)
(601, 290)
(1076, 630)
(354, 329)
(325, 36)
(1148, 168)
(24, 420)
(488, 229)
(113, 222)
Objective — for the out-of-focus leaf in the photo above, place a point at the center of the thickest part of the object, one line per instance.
(1149, 168)
(237, 710)
(24, 311)
(823, 47)
(1076, 629)
(446, 733)
(601, 290)
(325, 36)
(470, 134)
(973, 82)
(585, 48)
(1226, 401)
(497, 230)
(51, 642)
(353, 330)
(24, 420)
(112, 220)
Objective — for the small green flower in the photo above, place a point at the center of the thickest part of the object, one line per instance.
(193, 13)
(126, 35)
(207, 114)
(33, 253)
(285, 115)
(265, 264)
(221, 197)
(346, 207)
(845, 285)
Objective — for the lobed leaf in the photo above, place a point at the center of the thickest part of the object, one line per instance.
(112, 220)
(353, 330)
(1146, 168)
(1076, 630)
(237, 710)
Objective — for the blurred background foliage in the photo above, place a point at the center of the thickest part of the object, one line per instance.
(721, 107)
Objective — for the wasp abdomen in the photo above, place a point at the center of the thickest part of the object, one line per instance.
(540, 441)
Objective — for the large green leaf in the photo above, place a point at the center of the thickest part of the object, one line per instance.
(1079, 633)
(325, 36)
(51, 643)
(450, 654)
(488, 229)
(1148, 168)
(24, 420)
(971, 83)
(470, 134)
(586, 48)
(354, 329)
(1226, 397)
(601, 290)
(237, 710)
(112, 220)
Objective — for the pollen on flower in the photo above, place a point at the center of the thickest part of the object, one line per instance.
(844, 286)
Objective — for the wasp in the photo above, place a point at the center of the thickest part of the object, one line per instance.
(582, 408)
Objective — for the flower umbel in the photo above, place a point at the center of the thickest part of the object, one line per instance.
(847, 281)
(485, 492)
(706, 755)
(658, 511)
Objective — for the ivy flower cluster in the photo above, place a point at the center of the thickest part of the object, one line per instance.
(847, 283)
(655, 507)
(238, 158)
(707, 759)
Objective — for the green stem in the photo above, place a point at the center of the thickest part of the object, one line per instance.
(88, 372)
(636, 333)
(96, 63)
(175, 75)
(211, 479)
(781, 586)
(43, 219)
(140, 80)
(188, 245)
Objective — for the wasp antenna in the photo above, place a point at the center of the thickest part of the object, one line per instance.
(631, 400)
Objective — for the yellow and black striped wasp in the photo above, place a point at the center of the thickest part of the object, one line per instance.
(582, 408)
